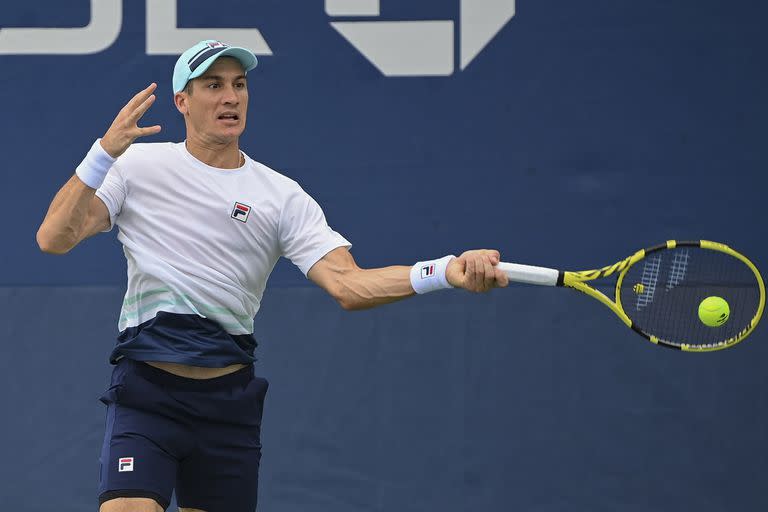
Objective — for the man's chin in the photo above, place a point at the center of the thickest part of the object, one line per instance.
(230, 134)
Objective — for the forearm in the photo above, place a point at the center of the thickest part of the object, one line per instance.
(367, 288)
(357, 288)
(63, 225)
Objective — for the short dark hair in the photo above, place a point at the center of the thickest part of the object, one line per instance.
(188, 88)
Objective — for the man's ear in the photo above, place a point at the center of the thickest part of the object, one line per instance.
(181, 100)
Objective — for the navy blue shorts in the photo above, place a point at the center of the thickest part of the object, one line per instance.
(200, 437)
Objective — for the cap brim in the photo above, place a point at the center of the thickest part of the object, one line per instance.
(246, 58)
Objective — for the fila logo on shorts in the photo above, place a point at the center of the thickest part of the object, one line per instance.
(241, 211)
(125, 464)
(427, 271)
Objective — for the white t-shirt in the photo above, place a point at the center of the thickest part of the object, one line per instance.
(201, 240)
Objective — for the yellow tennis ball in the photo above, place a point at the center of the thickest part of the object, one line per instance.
(714, 311)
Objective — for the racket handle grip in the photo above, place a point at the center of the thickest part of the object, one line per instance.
(527, 274)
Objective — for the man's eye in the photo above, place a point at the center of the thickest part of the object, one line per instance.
(240, 85)
(213, 86)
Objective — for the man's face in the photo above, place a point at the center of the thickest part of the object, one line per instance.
(216, 106)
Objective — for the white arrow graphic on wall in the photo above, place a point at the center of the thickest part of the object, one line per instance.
(481, 20)
(420, 48)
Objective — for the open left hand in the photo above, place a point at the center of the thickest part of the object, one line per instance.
(476, 271)
(125, 129)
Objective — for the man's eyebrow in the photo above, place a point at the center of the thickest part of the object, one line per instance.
(220, 78)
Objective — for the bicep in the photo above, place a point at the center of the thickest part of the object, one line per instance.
(97, 218)
(329, 271)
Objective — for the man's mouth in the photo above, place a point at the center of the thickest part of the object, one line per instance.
(229, 116)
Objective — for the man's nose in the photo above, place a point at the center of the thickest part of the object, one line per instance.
(230, 95)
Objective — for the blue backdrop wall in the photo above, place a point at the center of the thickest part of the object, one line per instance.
(579, 133)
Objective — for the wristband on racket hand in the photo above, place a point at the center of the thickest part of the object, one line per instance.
(429, 276)
(94, 167)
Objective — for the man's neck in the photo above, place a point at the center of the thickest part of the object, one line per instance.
(222, 156)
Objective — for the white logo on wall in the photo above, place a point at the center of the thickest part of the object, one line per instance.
(396, 48)
(419, 48)
(163, 35)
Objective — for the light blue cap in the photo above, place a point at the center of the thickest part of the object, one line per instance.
(196, 61)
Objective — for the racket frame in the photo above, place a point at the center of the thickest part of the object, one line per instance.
(578, 281)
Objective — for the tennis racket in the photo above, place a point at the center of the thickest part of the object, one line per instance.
(658, 291)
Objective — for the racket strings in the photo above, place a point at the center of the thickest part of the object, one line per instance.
(662, 293)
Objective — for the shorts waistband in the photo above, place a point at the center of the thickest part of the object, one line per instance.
(240, 377)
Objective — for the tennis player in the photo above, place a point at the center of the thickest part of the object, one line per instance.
(202, 225)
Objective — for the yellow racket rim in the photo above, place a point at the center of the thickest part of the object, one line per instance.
(716, 246)
(577, 281)
(729, 342)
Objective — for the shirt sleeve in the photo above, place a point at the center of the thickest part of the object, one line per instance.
(112, 194)
(304, 234)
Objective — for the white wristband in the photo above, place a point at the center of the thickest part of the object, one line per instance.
(428, 276)
(94, 167)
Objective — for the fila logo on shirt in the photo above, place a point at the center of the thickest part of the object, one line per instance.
(427, 271)
(125, 464)
(241, 211)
